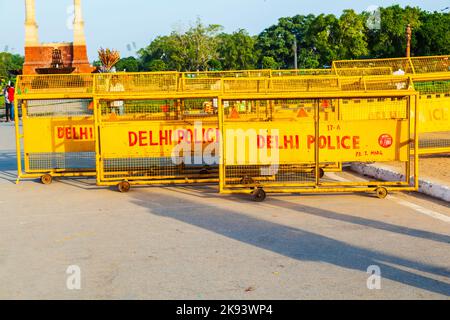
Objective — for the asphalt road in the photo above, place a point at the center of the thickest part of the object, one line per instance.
(192, 243)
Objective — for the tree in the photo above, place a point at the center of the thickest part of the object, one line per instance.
(156, 65)
(320, 39)
(277, 41)
(159, 54)
(130, 64)
(199, 46)
(390, 40)
(9, 62)
(237, 51)
(269, 63)
(433, 36)
(351, 39)
(193, 50)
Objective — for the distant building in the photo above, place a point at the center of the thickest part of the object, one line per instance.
(65, 57)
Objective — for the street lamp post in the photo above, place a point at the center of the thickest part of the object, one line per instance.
(408, 40)
(295, 49)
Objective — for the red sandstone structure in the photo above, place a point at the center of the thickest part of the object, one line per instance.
(40, 57)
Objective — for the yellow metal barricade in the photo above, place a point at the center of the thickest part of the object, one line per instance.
(431, 78)
(275, 144)
(157, 141)
(57, 133)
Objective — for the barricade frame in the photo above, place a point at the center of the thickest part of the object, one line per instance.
(46, 176)
(124, 185)
(421, 70)
(258, 191)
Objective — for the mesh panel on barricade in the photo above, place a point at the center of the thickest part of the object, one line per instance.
(398, 66)
(59, 108)
(375, 71)
(424, 65)
(301, 72)
(136, 83)
(434, 115)
(61, 161)
(228, 74)
(202, 85)
(55, 84)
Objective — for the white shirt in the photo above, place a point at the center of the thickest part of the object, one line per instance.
(118, 87)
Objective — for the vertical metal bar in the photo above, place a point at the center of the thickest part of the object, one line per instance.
(408, 163)
(18, 137)
(222, 146)
(416, 143)
(97, 115)
(413, 69)
(98, 159)
(317, 134)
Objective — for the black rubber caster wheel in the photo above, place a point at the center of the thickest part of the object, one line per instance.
(258, 195)
(47, 179)
(124, 187)
(321, 173)
(382, 193)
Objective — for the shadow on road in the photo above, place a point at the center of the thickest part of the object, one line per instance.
(301, 244)
(8, 166)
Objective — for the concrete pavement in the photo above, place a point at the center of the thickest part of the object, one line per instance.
(191, 243)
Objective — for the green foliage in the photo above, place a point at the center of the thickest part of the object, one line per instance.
(351, 40)
(269, 63)
(277, 41)
(9, 62)
(320, 40)
(390, 40)
(194, 49)
(130, 64)
(433, 36)
(237, 51)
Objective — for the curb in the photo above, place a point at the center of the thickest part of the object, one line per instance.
(435, 189)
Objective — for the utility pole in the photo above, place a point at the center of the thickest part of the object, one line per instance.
(408, 40)
(294, 47)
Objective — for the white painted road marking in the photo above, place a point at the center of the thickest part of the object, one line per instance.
(428, 212)
(415, 207)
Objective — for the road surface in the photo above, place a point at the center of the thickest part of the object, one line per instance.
(192, 243)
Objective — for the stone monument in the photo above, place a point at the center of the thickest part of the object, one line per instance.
(40, 57)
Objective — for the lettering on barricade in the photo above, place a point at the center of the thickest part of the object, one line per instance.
(84, 133)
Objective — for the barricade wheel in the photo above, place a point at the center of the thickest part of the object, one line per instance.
(258, 195)
(382, 193)
(124, 187)
(47, 179)
(321, 173)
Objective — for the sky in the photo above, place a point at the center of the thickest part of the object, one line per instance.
(128, 25)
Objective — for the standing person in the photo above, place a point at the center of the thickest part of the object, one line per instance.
(7, 107)
(116, 86)
(11, 92)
